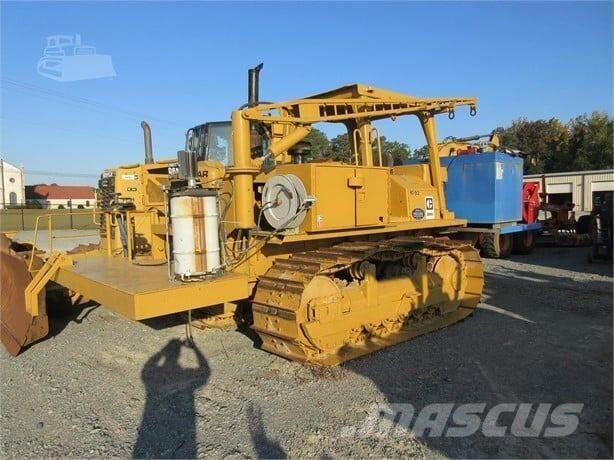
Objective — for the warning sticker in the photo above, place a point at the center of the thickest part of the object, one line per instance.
(429, 206)
(498, 170)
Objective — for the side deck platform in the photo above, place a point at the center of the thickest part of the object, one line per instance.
(140, 292)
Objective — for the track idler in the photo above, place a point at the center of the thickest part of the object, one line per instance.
(18, 328)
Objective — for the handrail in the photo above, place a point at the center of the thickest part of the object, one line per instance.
(379, 143)
(49, 217)
(50, 236)
(356, 134)
(94, 218)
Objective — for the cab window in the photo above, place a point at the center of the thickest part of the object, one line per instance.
(219, 143)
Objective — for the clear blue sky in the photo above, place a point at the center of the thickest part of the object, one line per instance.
(180, 64)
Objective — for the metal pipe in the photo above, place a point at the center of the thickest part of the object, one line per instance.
(35, 241)
(123, 236)
(129, 233)
(366, 149)
(356, 141)
(379, 143)
(469, 138)
(147, 141)
(285, 143)
(253, 85)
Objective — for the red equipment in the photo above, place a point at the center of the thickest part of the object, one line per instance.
(530, 202)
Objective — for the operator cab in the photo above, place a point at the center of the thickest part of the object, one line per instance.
(211, 142)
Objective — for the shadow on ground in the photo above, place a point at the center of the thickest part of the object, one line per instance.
(574, 259)
(168, 425)
(265, 447)
(61, 313)
(538, 339)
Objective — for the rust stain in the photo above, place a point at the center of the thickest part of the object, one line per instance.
(198, 223)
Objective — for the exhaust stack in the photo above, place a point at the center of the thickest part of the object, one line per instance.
(147, 140)
(253, 85)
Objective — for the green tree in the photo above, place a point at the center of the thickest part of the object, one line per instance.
(590, 142)
(420, 154)
(583, 143)
(340, 150)
(546, 141)
(398, 151)
(320, 145)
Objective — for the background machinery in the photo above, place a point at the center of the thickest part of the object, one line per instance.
(602, 231)
(560, 225)
(332, 260)
(485, 186)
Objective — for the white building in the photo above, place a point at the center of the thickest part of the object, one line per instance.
(12, 188)
(585, 189)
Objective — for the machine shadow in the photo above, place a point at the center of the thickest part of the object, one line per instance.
(61, 312)
(168, 425)
(531, 278)
(494, 357)
(61, 316)
(265, 447)
(559, 257)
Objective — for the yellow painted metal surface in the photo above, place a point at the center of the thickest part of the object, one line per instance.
(336, 206)
(396, 289)
(141, 292)
(37, 285)
(359, 273)
(372, 196)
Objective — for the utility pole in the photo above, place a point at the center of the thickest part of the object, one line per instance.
(22, 186)
(3, 190)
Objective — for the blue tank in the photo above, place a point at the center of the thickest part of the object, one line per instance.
(484, 188)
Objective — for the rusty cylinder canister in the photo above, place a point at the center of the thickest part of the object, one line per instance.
(196, 244)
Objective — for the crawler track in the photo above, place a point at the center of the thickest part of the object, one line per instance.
(333, 304)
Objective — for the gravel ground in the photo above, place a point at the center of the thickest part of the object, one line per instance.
(103, 386)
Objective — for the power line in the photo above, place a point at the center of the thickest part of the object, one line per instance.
(71, 131)
(90, 103)
(76, 105)
(82, 100)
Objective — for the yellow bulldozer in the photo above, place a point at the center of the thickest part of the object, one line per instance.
(328, 260)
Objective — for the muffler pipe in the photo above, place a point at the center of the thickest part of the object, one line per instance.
(147, 140)
(253, 85)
